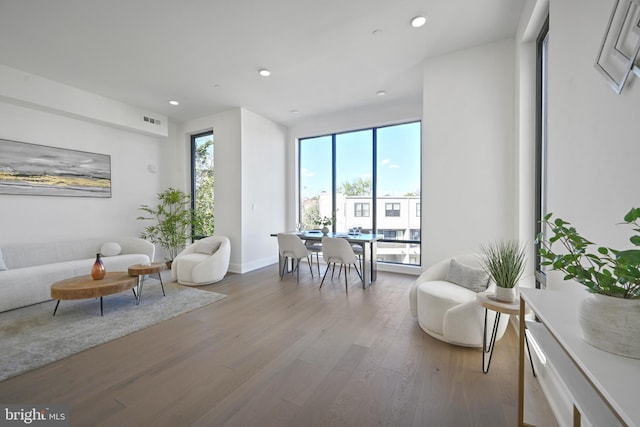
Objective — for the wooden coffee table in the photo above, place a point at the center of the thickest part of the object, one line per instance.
(84, 287)
(141, 270)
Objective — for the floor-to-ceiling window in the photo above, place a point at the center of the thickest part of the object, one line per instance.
(370, 179)
(202, 183)
(541, 142)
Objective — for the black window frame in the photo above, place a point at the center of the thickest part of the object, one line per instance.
(541, 146)
(374, 196)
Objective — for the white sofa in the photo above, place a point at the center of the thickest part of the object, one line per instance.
(31, 268)
(448, 311)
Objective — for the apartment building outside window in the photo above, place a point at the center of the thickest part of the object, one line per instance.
(361, 210)
(392, 209)
(368, 178)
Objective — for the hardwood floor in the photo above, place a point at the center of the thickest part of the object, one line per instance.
(277, 353)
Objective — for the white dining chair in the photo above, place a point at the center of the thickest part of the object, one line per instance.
(338, 250)
(291, 247)
(315, 248)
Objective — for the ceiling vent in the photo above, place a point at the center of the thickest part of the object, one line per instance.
(152, 120)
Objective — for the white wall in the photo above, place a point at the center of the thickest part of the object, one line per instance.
(227, 166)
(40, 93)
(263, 189)
(592, 141)
(46, 218)
(593, 171)
(249, 178)
(469, 157)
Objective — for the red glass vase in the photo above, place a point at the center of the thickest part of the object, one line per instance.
(98, 271)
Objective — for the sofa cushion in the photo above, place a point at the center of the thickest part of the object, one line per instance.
(208, 247)
(475, 279)
(110, 249)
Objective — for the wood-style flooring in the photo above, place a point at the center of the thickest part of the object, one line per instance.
(277, 353)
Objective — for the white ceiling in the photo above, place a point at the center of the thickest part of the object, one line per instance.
(323, 55)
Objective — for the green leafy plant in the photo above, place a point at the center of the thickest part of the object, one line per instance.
(606, 271)
(174, 221)
(325, 221)
(504, 262)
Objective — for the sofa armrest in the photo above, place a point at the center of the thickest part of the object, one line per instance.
(135, 245)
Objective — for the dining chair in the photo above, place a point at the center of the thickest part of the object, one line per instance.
(291, 247)
(338, 250)
(314, 247)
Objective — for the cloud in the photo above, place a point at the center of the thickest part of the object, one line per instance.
(307, 172)
(394, 166)
(385, 162)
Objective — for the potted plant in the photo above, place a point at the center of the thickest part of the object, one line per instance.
(504, 262)
(610, 316)
(174, 221)
(325, 222)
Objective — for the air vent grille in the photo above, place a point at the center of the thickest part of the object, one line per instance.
(151, 120)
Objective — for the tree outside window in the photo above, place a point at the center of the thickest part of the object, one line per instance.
(203, 183)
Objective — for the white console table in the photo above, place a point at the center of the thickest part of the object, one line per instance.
(604, 386)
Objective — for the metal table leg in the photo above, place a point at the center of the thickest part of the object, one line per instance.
(492, 343)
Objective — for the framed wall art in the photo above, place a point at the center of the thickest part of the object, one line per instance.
(39, 170)
(621, 43)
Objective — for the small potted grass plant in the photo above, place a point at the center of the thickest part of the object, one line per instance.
(504, 262)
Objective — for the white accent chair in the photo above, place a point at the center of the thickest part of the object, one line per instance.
(291, 247)
(448, 311)
(202, 263)
(338, 250)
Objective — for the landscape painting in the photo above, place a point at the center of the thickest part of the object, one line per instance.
(39, 170)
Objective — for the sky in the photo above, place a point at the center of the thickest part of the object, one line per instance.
(398, 162)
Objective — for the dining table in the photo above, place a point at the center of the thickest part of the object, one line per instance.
(366, 241)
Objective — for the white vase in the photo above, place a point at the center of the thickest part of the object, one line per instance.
(505, 294)
(611, 324)
(325, 230)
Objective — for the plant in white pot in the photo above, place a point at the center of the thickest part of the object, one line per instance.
(325, 222)
(610, 316)
(504, 262)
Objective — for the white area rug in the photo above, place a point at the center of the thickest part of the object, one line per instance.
(31, 337)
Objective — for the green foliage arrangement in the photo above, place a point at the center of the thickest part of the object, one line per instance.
(174, 221)
(609, 271)
(325, 221)
(504, 262)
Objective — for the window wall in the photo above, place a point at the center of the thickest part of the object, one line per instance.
(202, 198)
(370, 179)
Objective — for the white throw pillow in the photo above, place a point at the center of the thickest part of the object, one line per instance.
(3, 266)
(208, 247)
(110, 249)
(475, 279)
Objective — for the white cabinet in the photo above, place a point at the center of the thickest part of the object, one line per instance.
(604, 386)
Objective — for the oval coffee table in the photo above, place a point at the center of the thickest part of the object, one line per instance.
(84, 287)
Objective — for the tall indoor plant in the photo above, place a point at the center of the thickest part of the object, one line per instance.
(174, 220)
(504, 261)
(610, 316)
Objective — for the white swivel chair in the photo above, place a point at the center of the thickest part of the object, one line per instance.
(338, 250)
(202, 263)
(291, 247)
(444, 300)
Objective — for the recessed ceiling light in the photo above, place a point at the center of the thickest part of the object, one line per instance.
(418, 21)
(264, 72)
(174, 103)
(381, 93)
(294, 112)
(376, 32)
